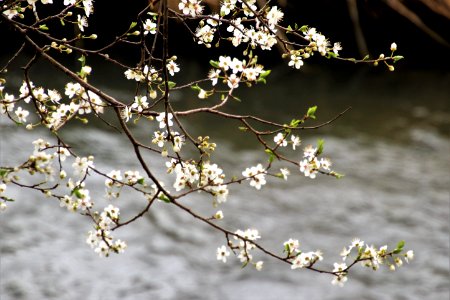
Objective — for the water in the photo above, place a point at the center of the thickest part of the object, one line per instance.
(393, 147)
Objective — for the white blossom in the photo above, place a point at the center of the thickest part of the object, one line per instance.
(149, 27)
(172, 67)
(222, 253)
(163, 120)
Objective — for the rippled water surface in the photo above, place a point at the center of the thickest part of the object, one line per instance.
(393, 147)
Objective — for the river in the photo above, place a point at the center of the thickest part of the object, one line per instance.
(393, 147)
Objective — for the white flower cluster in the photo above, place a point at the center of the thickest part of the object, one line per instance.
(280, 140)
(317, 43)
(255, 35)
(161, 138)
(256, 175)
(300, 259)
(260, 36)
(205, 32)
(240, 71)
(41, 161)
(114, 184)
(311, 165)
(8, 101)
(191, 7)
(53, 113)
(306, 259)
(3, 205)
(16, 10)
(147, 73)
(78, 199)
(370, 257)
(101, 239)
(206, 176)
(243, 244)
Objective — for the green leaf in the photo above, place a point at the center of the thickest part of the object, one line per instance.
(366, 57)
(261, 80)
(242, 128)
(132, 25)
(4, 172)
(312, 112)
(215, 64)
(171, 84)
(82, 59)
(265, 74)
(397, 58)
(196, 88)
(331, 54)
(141, 181)
(304, 28)
(295, 122)
(397, 251)
(336, 174)
(76, 192)
(400, 245)
(43, 27)
(289, 28)
(62, 22)
(164, 198)
(7, 199)
(320, 143)
(271, 155)
(287, 248)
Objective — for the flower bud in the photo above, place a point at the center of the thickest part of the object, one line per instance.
(393, 47)
(218, 215)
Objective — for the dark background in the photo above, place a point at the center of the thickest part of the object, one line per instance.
(380, 24)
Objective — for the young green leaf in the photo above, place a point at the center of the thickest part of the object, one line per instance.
(215, 64)
(164, 198)
(311, 112)
(132, 25)
(196, 88)
(82, 59)
(4, 172)
(320, 144)
(265, 74)
(397, 58)
(261, 80)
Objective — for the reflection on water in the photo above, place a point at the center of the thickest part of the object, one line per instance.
(393, 146)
